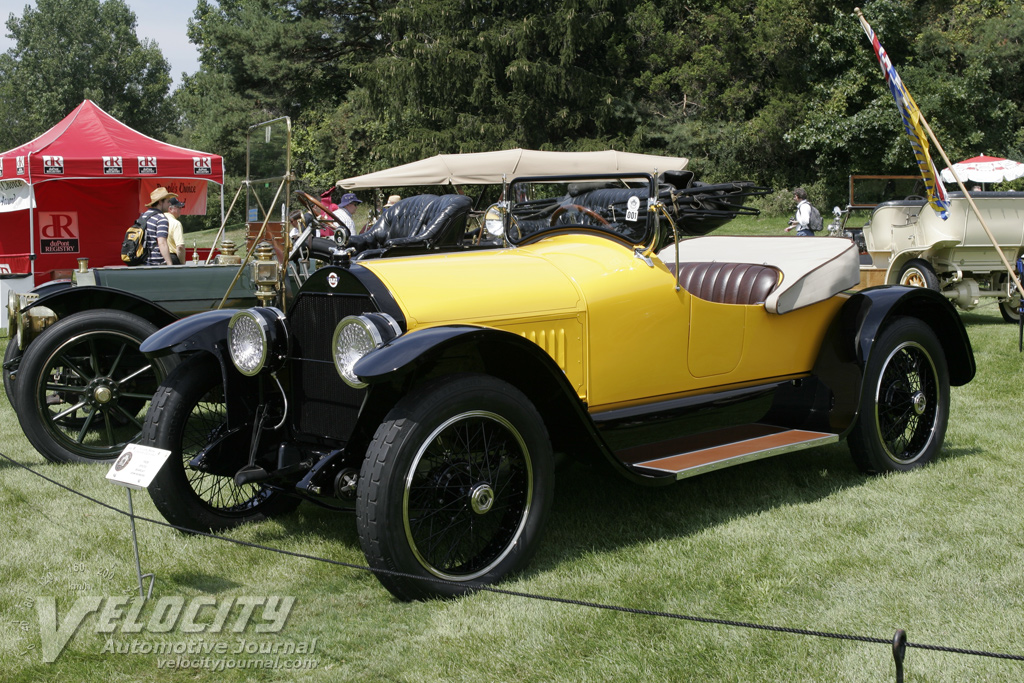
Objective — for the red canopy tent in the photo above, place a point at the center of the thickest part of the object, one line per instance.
(73, 191)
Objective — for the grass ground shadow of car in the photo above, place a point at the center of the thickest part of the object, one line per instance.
(580, 519)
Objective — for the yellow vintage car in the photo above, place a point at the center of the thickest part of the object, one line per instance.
(432, 393)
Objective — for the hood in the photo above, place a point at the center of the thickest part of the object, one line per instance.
(480, 287)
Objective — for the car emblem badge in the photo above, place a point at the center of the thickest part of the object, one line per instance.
(332, 280)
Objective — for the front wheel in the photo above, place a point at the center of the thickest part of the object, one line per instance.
(83, 385)
(188, 414)
(904, 405)
(455, 488)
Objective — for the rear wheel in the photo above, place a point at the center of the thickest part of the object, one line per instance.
(904, 406)
(455, 488)
(83, 385)
(188, 414)
(919, 273)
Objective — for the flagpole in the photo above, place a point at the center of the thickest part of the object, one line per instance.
(970, 200)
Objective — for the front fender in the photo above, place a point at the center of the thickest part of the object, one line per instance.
(207, 331)
(67, 300)
(423, 354)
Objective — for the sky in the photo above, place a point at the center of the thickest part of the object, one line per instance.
(168, 29)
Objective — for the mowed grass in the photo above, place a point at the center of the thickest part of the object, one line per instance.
(800, 541)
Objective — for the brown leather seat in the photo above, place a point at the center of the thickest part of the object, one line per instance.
(727, 283)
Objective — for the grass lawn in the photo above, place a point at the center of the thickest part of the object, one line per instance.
(801, 541)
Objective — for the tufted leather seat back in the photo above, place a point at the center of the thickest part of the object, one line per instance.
(727, 283)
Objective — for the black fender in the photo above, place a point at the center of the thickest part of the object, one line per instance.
(68, 300)
(844, 353)
(393, 369)
(870, 310)
(207, 332)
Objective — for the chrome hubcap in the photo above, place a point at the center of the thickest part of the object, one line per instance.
(481, 498)
(920, 402)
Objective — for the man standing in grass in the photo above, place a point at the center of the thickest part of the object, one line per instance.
(803, 222)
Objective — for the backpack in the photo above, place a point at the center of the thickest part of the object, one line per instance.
(134, 251)
(815, 223)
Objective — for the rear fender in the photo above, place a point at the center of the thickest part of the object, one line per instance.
(850, 338)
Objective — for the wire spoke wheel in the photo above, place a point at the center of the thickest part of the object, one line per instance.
(906, 403)
(455, 487)
(189, 418)
(468, 495)
(205, 424)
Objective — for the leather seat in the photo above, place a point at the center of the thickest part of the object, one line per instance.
(727, 283)
(422, 220)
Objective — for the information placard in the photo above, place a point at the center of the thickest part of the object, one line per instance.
(137, 465)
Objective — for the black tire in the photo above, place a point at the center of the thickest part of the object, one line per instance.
(83, 385)
(904, 405)
(427, 476)
(12, 359)
(187, 412)
(919, 273)
(1007, 309)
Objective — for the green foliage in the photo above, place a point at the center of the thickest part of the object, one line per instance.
(69, 50)
(780, 92)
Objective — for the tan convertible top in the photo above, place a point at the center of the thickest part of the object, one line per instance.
(487, 168)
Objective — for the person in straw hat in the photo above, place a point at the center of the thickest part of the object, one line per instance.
(157, 227)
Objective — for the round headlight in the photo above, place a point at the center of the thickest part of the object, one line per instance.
(253, 339)
(493, 220)
(357, 335)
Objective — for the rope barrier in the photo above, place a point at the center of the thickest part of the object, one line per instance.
(899, 642)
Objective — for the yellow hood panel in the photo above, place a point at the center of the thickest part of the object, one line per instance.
(483, 287)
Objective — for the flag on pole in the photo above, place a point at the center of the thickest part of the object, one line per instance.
(911, 116)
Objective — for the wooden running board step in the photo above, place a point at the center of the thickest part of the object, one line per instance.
(722, 448)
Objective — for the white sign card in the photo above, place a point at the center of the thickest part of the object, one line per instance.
(137, 465)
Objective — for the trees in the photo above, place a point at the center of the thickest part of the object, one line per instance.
(69, 50)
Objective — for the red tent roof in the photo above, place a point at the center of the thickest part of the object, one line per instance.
(90, 143)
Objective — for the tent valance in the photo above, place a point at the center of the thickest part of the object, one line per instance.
(90, 143)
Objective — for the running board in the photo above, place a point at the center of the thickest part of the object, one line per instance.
(720, 449)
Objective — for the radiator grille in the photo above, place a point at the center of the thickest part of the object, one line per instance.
(322, 404)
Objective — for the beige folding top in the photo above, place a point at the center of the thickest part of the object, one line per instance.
(813, 268)
(487, 168)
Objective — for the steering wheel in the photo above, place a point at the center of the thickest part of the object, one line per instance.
(582, 209)
(341, 233)
(914, 196)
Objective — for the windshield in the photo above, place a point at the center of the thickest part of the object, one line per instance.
(617, 205)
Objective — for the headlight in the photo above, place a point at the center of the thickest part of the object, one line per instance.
(257, 339)
(494, 220)
(357, 335)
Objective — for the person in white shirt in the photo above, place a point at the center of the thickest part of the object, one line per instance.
(347, 207)
(801, 222)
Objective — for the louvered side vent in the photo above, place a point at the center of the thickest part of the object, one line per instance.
(552, 341)
(323, 405)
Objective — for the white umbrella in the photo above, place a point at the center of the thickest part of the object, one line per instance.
(985, 169)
